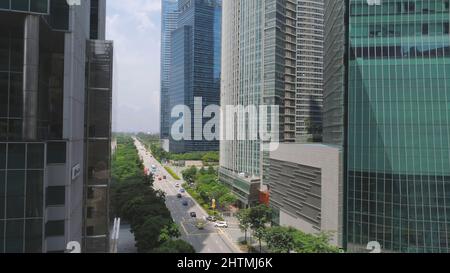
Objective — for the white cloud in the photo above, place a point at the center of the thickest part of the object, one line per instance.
(134, 26)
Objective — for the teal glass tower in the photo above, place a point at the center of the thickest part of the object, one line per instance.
(395, 125)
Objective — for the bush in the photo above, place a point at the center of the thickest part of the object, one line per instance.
(172, 173)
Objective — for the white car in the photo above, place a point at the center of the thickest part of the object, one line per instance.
(177, 185)
(221, 224)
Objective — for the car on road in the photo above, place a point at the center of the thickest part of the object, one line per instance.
(193, 214)
(200, 224)
(177, 185)
(182, 190)
(179, 196)
(221, 224)
(185, 203)
(164, 177)
(211, 219)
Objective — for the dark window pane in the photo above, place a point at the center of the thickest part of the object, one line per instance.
(100, 75)
(14, 236)
(40, 6)
(99, 113)
(54, 228)
(35, 158)
(59, 14)
(96, 212)
(3, 129)
(4, 50)
(2, 194)
(2, 156)
(16, 156)
(21, 5)
(33, 236)
(16, 96)
(17, 50)
(98, 162)
(56, 196)
(15, 191)
(56, 153)
(35, 193)
(2, 236)
(3, 92)
(4, 4)
(2, 184)
(90, 231)
(15, 129)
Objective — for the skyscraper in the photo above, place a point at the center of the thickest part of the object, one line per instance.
(169, 18)
(309, 92)
(54, 83)
(242, 35)
(259, 69)
(386, 102)
(195, 71)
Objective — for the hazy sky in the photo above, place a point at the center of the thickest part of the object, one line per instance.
(134, 26)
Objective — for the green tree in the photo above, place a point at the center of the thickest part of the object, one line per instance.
(227, 199)
(211, 171)
(175, 246)
(313, 243)
(210, 157)
(147, 235)
(169, 232)
(279, 239)
(189, 175)
(260, 216)
(244, 221)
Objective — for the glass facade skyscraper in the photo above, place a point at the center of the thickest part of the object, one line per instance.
(195, 69)
(45, 106)
(309, 84)
(395, 129)
(260, 68)
(169, 18)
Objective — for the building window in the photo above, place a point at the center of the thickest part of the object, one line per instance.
(54, 228)
(56, 196)
(447, 5)
(425, 30)
(446, 28)
(90, 193)
(56, 153)
(89, 212)
(90, 231)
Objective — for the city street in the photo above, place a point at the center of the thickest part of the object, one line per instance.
(208, 240)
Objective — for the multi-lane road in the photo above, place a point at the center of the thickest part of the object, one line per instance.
(208, 240)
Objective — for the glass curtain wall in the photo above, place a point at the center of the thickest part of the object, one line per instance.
(398, 176)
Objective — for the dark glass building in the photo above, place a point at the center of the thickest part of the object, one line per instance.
(195, 67)
(46, 155)
(387, 90)
(169, 18)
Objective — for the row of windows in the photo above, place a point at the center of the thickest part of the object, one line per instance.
(400, 7)
(381, 52)
(38, 6)
(17, 156)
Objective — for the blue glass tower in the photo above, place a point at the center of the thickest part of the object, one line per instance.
(169, 19)
(195, 66)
